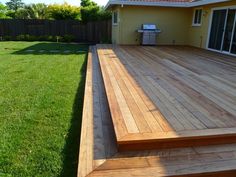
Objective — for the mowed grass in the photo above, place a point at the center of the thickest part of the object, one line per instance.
(41, 97)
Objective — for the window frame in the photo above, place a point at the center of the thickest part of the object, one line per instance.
(113, 18)
(198, 21)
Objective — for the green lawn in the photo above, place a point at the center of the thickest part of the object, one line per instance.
(41, 97)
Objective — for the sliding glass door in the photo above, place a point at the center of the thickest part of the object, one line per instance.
(222, 33)
(229, 29)
(217, 29)
(233, 49)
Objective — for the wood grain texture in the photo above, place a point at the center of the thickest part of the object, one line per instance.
(98, 152)
(159, 93)
(97, 135)
(86, 140)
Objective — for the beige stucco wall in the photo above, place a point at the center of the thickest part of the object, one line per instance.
(198, 35)
(175, 23)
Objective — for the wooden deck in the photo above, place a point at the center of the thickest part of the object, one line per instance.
(169, 96)
(99, 154)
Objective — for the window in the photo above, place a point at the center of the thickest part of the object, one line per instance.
(115, 18)
(197, 18)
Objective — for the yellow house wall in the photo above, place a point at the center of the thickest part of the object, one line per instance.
(116, 28)
(198, 35)
(174, 23)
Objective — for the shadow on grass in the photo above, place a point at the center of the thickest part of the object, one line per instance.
(52, 48)
(71, 149)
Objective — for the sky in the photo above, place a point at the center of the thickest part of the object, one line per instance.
(73, 2)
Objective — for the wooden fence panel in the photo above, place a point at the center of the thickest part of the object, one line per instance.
(93, 32)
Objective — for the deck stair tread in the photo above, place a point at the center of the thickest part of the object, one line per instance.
(159, 99)
(99, 155)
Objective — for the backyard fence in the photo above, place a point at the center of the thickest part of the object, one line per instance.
(93, 32)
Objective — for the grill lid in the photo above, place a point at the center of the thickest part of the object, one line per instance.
(149, 27)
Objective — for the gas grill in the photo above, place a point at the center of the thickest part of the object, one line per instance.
(149, 34)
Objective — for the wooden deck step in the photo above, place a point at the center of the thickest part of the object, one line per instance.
(153, 103)
(98, 152)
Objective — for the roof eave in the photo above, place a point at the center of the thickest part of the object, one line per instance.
(205, 2)
(162, 4)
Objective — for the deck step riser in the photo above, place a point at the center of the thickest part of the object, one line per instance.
(176, 143)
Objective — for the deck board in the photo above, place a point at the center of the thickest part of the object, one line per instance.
(183, 93)
(98, 150)
(186, 84)
(86, 140)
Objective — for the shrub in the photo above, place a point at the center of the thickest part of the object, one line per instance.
(32, 38)
(20, 37)
(63, 12)
(27, 37)
(48, 38)
(42, 38)
(89, 13)
(68, 38)
(104, 14)
(7, 38)
(58, 38)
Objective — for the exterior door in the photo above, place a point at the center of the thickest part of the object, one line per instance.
(229, 31)
(223, 28)
(233, 47)
(217, 29)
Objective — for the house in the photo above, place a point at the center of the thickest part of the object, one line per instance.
(208, 24)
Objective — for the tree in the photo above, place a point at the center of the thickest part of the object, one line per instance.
(86, 3)
(38, 11)
(15, 4)
(63, 12)
(32, 11)
(21, 13)
(3, 12)
(104, 14)
(90, 11)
